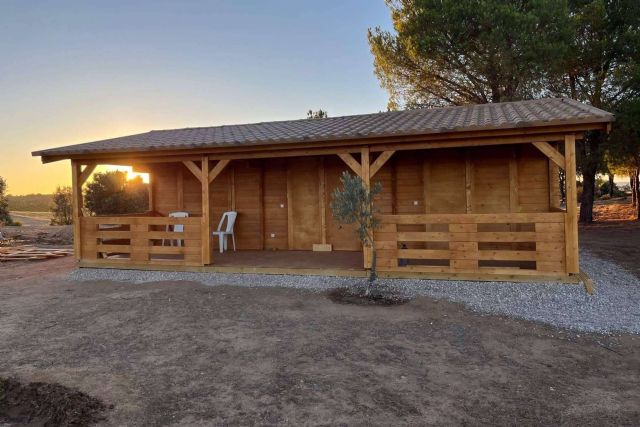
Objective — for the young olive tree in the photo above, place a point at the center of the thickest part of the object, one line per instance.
(353, 203)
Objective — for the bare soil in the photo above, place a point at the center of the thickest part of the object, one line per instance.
(179, 353)
(36, 230)
(45, 404)
(615, 235)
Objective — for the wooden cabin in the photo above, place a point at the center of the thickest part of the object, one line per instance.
(468, 192)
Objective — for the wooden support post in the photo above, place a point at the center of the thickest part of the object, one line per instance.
(380, 161)
(217, 169)
(206, 212)
(180, 189)
(290, 237)
(468, 182)
(88, 170)
(514, 187)
(195, 170)
(323, 200)
(571, 217)
(553, 154)
(76, 185)
(152, 206)
(352, 163)
(261, 207)
(366, 177)
(554, 186)
(426, 185)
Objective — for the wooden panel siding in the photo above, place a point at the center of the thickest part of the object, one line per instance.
(464, 239)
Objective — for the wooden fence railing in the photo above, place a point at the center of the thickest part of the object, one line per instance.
(510, 243)
(141, 240)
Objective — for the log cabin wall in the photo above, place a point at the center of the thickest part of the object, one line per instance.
(280, 201)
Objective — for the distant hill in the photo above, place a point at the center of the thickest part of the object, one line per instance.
(30, 203)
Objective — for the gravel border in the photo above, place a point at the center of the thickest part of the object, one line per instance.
(613, 308)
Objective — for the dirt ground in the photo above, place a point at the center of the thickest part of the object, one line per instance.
(186, 354)
(615, 235)
(35, 230)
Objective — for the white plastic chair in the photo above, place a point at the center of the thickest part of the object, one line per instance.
(176, 228)
(223, 234)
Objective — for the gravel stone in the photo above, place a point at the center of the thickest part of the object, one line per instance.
(613, 308)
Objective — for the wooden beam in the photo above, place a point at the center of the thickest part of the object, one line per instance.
(554, 186)
(152, 203)
(514, 187)
(380, 161)
(217, 169)
(468, 182)
(366, 177)
(322, 194)
(290, 239)
(352, 163)
(553, 154)
(571, 217)
(180, 189)
(426, 184)
(76, 187)
(326, 148)
(195, 170)
(206, 212)
(86, 173)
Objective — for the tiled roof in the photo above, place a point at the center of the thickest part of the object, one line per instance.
(542, 112)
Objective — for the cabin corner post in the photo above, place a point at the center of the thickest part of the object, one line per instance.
(571, 217)
(206, 212)
(76, 186)
(365, 167)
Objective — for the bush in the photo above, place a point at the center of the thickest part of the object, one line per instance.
(62, 209)
(603, 189)
(5, 217)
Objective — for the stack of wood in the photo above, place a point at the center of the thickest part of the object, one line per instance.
(31, 253)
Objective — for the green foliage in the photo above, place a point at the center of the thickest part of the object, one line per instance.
(624, 140)
(353, 203)
(320, 114)
(30, 202)
(62, 209)
(110, 193)
(445, 52)
(5, 217)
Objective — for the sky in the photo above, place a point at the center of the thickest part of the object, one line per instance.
(79, 71)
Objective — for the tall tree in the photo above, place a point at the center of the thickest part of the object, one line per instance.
(453, 52)
(320, 114)
(624, 145)
(602, 68)
(5, 217)
(111, 193)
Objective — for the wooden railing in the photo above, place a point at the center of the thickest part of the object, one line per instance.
(510, 243)
(141, 240)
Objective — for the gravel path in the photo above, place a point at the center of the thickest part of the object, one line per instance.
(613, 308)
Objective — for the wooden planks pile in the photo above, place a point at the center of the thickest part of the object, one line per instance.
(31, 253)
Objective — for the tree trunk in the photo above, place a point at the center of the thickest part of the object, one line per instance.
(611, 185)
(632, 186)
(588, 193)
(373, 275)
